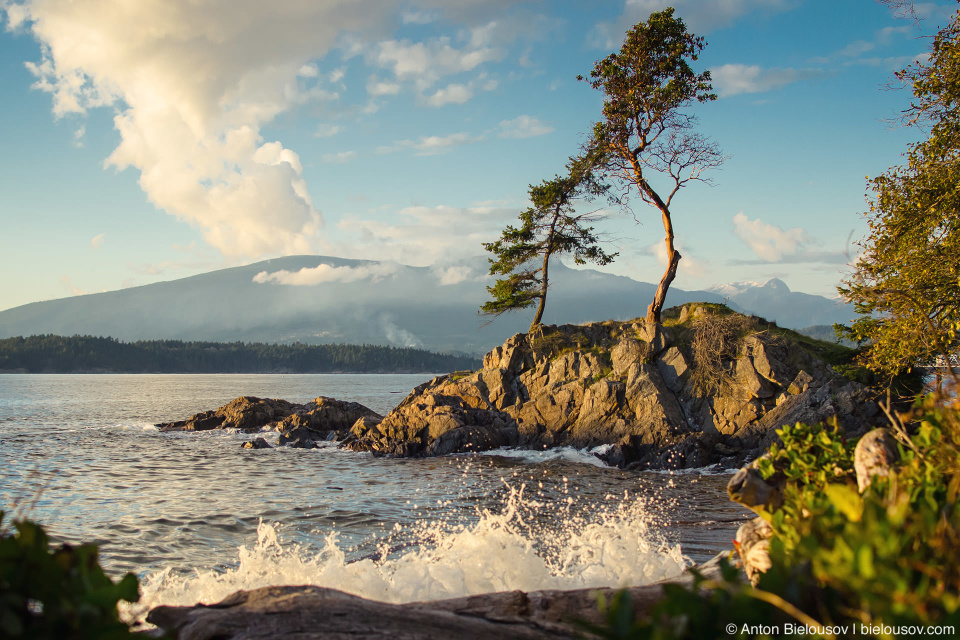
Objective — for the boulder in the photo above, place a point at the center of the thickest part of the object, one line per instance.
(256, 443)
(312, 421)
(246, 413)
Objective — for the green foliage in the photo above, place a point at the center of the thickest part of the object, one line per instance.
(57, 593)
(644, 133)
(58, 354)
(906, 286)
(551, 227)
(839, 558)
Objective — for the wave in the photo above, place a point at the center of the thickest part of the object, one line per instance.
(526, 544)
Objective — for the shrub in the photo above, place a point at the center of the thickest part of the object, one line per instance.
(886, 557)
(57, 593)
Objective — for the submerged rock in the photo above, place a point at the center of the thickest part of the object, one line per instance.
(256, 443)
(708, 388)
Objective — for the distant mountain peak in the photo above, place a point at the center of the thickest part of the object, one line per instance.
(778, 285)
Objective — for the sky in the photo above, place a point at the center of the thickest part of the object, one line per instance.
(150, 140)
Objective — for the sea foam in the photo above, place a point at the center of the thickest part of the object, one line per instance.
(526, 544)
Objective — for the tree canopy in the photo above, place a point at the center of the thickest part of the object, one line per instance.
(551, 227)
(644, 131)
(906, 286)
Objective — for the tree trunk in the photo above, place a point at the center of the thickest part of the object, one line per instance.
(673, 259)
(543, 291)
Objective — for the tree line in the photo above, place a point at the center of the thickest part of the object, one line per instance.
(59, 354)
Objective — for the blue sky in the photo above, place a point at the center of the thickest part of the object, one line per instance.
(158, 139)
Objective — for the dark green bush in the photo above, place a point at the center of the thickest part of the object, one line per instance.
(57, 593)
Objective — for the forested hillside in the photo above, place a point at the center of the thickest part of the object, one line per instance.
(58, 354)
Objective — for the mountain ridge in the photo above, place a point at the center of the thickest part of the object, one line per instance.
(342, 300)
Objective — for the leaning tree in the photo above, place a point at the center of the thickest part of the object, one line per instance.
(551, 227)
(906, 283)
(645, 134)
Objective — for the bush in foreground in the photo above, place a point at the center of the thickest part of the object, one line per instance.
(882, 563)
(57, 592)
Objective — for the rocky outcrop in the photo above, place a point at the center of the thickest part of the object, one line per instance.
(703, 389)
(314, 612)
(298, 424)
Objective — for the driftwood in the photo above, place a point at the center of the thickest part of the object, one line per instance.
(307, 612)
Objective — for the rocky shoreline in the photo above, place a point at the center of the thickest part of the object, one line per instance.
(708, 387)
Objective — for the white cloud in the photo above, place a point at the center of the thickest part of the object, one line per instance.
(734, 79)
(377, 87)
(327, 130)
(97, 240)
(426, 236)
(78, 136)
(339, 158)
(431, 145)
(309, 71)
(326, 273)
(454, 274)
(193, 84)
(690, 267)
(770, 242)
(451, 94)
(524, 127)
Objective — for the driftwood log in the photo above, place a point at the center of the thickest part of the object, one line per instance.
(307, 613)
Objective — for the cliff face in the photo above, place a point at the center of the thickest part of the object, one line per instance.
(709, 386)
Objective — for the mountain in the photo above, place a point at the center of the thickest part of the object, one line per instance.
(774, 300)
(324, 300)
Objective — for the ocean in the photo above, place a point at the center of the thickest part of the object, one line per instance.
(197, 517)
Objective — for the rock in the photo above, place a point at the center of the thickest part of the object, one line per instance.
(630, 385)
(875, 455)
(304, 434)
(628, 351)
(302, 612)
(249, 414)
(256, 443)
(748, 488)
(301, 443)
(753, 545)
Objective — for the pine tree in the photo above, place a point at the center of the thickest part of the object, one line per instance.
(551, 227)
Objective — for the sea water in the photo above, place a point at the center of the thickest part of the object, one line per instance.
(198, 517)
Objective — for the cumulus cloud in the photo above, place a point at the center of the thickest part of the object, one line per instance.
(524, 127)
(431, 145)
(193, 84)
(97, 240)
(327, 273)
(770, 242)
(733, 79)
